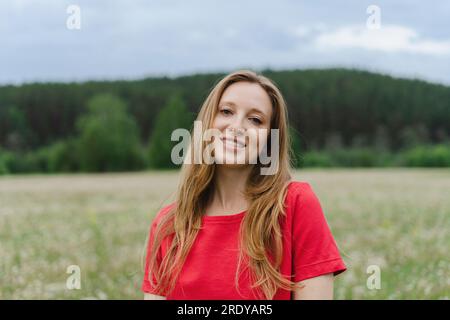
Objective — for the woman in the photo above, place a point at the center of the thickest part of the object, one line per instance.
(234, 232)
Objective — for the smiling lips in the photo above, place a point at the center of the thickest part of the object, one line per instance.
(234, 142)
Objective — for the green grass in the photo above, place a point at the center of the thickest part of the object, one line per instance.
(398, 219)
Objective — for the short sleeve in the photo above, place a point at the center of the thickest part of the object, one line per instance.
(146, 284)
(315, 251)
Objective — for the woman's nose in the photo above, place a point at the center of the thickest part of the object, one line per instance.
(237, 124)
(236, 131)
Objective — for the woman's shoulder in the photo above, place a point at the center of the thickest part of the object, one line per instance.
(301, 193)
(162, 212)
(296, 187)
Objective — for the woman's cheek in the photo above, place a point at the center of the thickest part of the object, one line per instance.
(262, 139)
(252, 146)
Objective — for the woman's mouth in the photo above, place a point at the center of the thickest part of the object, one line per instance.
(233, 143)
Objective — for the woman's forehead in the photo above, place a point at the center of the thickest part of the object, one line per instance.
(250, 96)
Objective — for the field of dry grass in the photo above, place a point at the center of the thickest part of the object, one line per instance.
(397, 219)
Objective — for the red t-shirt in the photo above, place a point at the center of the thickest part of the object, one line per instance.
(309, 250)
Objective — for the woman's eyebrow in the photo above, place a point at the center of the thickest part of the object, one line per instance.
(227, 102)
(234, 105)
(257, 111)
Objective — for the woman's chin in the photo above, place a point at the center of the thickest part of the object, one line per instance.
(230, 161)
(232, 166)
(233, 160)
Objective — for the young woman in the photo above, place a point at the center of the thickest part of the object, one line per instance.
(233, 232)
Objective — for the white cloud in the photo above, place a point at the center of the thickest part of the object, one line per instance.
(390, 38)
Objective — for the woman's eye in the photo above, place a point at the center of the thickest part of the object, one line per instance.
(256, 121)
(225, 111)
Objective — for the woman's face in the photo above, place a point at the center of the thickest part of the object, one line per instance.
(244, 111)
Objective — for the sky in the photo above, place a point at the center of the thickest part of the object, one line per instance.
(80, 40)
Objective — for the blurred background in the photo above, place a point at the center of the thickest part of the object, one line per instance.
(90, 92)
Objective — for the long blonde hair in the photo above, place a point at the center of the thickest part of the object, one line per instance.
(260, 232)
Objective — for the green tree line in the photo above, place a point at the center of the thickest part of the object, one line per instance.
(338, 117)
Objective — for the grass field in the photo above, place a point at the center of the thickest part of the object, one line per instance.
(397, 219)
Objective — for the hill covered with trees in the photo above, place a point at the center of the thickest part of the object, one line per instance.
(338, 117)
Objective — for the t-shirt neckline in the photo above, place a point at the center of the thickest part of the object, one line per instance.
(224, 218)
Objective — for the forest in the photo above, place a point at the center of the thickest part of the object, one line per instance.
(337, 118)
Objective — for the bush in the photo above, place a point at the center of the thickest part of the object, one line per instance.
(19, 162)
(62, 156)
(316, 159)
(59, 157)
(353, 157)
(8, 162)
(427, 156)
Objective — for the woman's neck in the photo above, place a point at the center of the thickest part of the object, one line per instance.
(229, 186)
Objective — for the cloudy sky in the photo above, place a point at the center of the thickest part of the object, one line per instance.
(40, 41)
